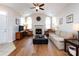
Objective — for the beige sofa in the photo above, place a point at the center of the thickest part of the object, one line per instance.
(58, 38)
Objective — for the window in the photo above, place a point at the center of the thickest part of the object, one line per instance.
(29, 23)
(22, 21)
(54, 22)
(48, 23)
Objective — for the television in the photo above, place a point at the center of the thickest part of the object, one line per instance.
(21, 28)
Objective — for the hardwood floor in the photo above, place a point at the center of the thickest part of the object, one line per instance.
(25, 47)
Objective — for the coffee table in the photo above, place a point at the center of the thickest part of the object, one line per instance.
(40, 40)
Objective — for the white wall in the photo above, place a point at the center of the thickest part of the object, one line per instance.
(8, 10)
(70, 9)
(8, 25)
(41, 22)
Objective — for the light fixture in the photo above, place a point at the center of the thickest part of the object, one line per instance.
(37, 7)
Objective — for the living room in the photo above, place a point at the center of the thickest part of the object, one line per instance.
(29, 30)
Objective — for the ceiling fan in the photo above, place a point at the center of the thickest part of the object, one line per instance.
(38, 6)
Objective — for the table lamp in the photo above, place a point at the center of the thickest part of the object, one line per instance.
(76, 27)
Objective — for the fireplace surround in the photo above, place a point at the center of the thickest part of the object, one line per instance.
(38, 31)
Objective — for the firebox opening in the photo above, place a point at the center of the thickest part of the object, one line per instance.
(38, 31)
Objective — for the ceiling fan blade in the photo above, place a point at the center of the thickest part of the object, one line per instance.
(41, 5)
(32, 7)
(34, 4)
(37, 4)
(41, 8)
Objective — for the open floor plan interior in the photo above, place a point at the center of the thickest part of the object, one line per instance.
(39, 29)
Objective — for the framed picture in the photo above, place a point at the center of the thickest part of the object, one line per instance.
(61, 21)
(69, 18)
(16, 21)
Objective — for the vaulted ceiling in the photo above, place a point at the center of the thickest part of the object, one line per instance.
(24, 8)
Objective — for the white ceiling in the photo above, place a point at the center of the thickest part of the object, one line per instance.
(24, 8)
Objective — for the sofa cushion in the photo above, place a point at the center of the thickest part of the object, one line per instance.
(58, 33)
(57, 38)
(68, 35)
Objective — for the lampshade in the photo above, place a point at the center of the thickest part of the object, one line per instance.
(76, 26)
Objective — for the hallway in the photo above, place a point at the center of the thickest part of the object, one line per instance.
(24, 47)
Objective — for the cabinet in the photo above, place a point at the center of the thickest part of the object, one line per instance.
(18, 35)
(21, 34)
(30, 33)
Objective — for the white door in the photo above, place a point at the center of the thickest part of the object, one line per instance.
(7, 28)
(10, 28)
(3, 29)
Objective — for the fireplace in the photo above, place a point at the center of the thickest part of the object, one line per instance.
(38, 31)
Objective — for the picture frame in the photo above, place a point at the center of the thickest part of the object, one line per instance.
(16, 21)
(61, 21)
(69, 18)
